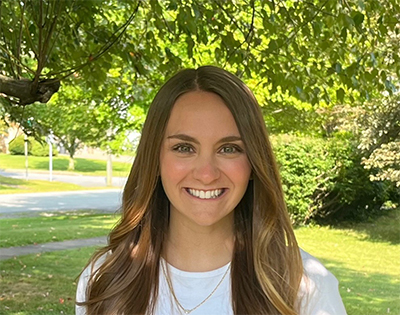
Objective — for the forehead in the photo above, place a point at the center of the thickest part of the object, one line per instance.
(201, 113)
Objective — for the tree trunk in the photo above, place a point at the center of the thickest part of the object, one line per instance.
(71, 150)
(71, 164)
(22, 89)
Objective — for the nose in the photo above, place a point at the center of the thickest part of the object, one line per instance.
(206, 169)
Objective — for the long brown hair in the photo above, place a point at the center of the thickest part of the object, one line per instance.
(266, 263)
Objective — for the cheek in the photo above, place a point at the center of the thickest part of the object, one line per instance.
(239, 171)
(172, 170)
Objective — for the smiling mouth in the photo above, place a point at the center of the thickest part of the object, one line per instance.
(205, 194)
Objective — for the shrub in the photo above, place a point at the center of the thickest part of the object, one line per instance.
(42, 149)
(302, 162)
(17, 146)
(325, 181)
(347, 193)
(35, 148)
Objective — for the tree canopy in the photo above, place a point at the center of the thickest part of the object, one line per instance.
(318, 52)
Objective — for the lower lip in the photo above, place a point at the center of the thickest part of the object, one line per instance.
(211, 199)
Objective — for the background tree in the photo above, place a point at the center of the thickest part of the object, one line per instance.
(380, 139)
(71, 117)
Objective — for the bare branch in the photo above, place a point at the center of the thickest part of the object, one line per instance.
(40, 48)
(58, 32)
(18, 62)
(289, 39)
(233, 20)
(18, 54)
(29, 37)
(247, 36)
(46, 44)
(5, 42)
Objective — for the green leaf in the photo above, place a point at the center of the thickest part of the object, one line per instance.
(32, 29)
(317, 28)
(343, 34)
(338, 67)
(358, 18)
(340, 95)
(190, 45)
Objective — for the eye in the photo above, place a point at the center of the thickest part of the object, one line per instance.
(183, 148)
(230, 149)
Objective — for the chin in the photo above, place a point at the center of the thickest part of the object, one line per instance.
(210, 220)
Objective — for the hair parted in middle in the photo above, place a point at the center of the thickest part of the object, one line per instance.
(266, 263)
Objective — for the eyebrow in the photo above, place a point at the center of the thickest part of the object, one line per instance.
(188, 138)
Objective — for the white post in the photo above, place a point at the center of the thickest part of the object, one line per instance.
(109, 159)
(26, 156)
(109, 167)
(50, 142)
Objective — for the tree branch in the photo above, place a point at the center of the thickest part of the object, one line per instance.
(29, 37)
(248, 35)
(105, 47)
(5, 42)
(20, 64)
(60, 28)
(40, 49)
(46, 44)
(22, 89)
(289, 39)
(233, 20)
(18, 54)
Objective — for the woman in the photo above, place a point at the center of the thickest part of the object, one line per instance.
(204, 228)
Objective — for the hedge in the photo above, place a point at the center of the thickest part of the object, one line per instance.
(35, 148)
(324, 180)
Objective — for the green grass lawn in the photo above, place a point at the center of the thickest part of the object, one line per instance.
(364, 257)
(42, 283)
(10, 185)
(60, 164)
(54, 228)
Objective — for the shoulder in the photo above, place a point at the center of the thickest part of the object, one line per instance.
(83, 283)
(316, 271)
(319, 289)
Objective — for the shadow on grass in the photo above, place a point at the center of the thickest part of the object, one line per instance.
(366, 293)
(59, 164)
(81, 165)
(11, 181)
(385, 228)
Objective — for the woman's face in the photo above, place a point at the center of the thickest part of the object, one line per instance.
(204, 167)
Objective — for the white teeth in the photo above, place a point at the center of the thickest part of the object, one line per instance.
(209, 194)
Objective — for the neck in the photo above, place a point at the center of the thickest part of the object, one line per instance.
(199, 248)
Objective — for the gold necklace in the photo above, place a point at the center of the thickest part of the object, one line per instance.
(186, 310)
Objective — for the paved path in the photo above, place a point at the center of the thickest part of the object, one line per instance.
(106, 200)
(77, 179)
(10, 252)
(33, 203)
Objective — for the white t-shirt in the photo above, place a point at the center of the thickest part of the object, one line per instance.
(318, 292)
